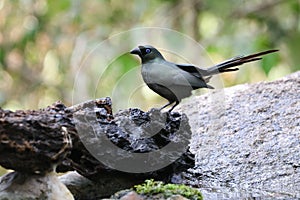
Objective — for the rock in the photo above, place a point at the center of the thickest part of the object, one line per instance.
(157, 190)
(132, 145)
(17, 186)
(83, 188)
(135, 135)
(177, 197)
(131, 196)
(114, 152)
(33, 142)
(246, 138)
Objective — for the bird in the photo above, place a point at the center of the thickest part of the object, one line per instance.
(175, 82)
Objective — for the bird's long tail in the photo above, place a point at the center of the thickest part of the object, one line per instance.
(227, 65)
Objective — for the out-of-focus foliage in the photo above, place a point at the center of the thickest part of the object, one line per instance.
(44, 42)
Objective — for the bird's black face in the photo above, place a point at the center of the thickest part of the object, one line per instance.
(146, 53)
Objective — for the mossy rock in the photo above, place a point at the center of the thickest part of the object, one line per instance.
(151, 187)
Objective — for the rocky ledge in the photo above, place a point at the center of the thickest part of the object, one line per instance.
(247, 139)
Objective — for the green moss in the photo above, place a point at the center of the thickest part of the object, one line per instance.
(151, 187)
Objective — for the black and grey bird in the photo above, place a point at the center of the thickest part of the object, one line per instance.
(176, 81)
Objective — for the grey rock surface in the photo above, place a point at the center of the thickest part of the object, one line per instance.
(247, 140)
(18, 186)
(83, 188)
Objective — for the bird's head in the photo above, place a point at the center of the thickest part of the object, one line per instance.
(147, 53)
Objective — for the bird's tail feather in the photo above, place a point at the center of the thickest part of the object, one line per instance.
(227, 65)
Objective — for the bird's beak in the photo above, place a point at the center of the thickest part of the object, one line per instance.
(136, 51)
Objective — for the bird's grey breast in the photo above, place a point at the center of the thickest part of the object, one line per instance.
(155, 72)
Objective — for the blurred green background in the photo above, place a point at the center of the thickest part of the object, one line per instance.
(40, 42)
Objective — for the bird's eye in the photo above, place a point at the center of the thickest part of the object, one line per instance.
(148, 50)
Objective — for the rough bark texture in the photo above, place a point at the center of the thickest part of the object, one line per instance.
(33, 142)
(247, 138)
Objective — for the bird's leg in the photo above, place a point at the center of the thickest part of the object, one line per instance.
(170, 102)
(177, 102)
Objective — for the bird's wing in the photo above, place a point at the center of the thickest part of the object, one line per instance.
(168, 74)
(195, 71)
(189, 75)
(190, 69)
